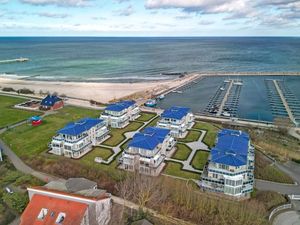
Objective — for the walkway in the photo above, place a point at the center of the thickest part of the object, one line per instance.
(117, 149)
(195, 146)
(21, 166)
(225, 99)
(286, 105)
(287, 218)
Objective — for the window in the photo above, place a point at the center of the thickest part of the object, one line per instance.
(60, 218)
(42, 214)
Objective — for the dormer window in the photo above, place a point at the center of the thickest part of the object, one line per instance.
(42, 214)
(60, 218)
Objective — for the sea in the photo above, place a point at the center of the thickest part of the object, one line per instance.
(136, 59)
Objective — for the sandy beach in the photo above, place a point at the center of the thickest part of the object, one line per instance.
(101, 92)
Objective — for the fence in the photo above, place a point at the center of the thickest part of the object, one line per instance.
(279, 208)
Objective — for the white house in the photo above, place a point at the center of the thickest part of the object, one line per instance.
(119, 114)
(76, 139)
(177, 119)
(231, 166)
(147, 150)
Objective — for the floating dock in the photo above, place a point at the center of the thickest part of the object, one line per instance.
(14, 60)
(225, 101)
(282, 101)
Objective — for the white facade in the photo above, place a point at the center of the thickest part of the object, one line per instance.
(148, 162)
(178, 127)
(75, 146)
(120, 119)
(235, 181)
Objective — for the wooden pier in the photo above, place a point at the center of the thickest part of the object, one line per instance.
(285, 103)
(225, 98)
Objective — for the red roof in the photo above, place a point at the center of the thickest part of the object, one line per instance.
(74, 211)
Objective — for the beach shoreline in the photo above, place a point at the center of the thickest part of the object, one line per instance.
(103, 92)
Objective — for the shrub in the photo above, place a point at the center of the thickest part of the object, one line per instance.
(25, 91)
(8, 89)
(16, 201)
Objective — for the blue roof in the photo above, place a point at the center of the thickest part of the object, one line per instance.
(176, 112)
(50, 100)
(80, 126)
(119, 106)
(231, 148)
(149, 138)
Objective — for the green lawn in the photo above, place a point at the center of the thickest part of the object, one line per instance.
(29, 141)
(200, 159)
(211, 134)
(117, 135)
(191, 136)
(174, 169)
(104, 153)
(153, 122)
(182, 152)
(146, 116)
(9, 115)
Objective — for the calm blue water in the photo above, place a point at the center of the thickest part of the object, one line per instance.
(91, 58)
(253, 103)
(136, 59)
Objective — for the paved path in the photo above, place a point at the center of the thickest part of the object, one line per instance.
(287, 218)
(195, 146)
(21, 166)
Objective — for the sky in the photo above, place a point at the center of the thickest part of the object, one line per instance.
(149, 17)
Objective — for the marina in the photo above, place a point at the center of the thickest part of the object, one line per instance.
(252, 98)
(226, 99)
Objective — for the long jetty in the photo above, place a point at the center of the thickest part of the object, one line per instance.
(225, 98)
(285, 103)
(218, 73)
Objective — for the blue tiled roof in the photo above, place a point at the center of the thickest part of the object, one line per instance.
(50, 100)
(119, 106)
(176, 112)
(79, 126)
(231, 148)
(149, 138)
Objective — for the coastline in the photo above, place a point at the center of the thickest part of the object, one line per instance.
(102, 92)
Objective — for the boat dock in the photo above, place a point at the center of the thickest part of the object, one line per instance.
(282, 101)
(225, 101)
(225, 98)
(14, 60)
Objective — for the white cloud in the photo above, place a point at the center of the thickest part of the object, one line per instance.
(71, 3)
(53, 15)
(127, 11)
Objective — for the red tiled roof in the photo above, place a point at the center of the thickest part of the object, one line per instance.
(74, 211)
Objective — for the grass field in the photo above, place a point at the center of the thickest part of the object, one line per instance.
(192, 136)
(182, 152)
(146, 116)
(104, 153)
(153, 122)
(265, 170)
(117, 135)
(9, 115)
(200, 159)
(211, 134)
(29, 141)
(175, 169)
